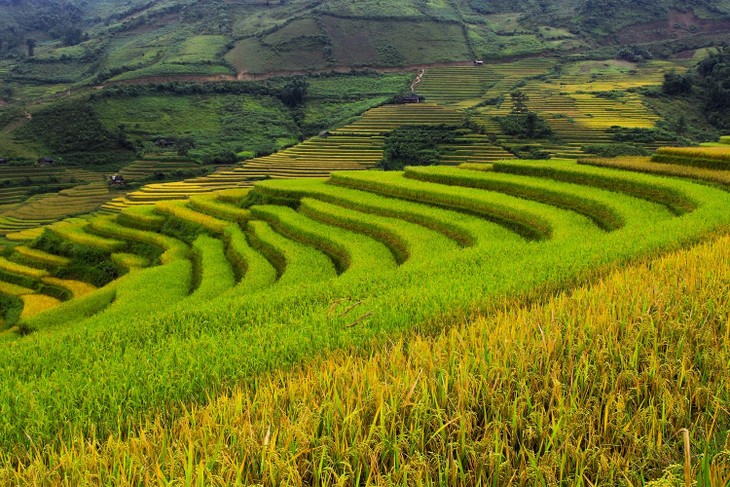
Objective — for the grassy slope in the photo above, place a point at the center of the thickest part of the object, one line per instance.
(163, 39)
(233, 122)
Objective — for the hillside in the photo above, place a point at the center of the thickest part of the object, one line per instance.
(90, 42)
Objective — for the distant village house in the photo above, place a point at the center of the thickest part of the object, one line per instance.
(3, 160)
(478, 62)
(165, 143)
(45, 161)
(117, 180)
(412, 98)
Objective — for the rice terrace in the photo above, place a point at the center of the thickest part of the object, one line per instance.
(332, 243)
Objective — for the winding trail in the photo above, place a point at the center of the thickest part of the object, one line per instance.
(417, 80)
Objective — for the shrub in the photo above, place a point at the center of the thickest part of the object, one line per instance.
(615, 150)
(415, 145)
(528, 125)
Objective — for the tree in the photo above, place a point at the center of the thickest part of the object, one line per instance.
(31, 43)
(294, 92)
(677, 84)
(73, 36)
(184, 144)
(519, 102)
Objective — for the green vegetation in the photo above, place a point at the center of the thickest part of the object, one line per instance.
(73, 131)
(615, 150)
(354, 232)
(412, 145)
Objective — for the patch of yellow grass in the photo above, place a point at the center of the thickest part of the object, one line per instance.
(13, 289)
(25, 235)
(42, 257)
(36, 303)
(76, 288)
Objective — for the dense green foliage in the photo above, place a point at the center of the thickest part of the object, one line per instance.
(528, 125)
(11, 307)
(415, 145)
(73, 130)
(615, 150)
(86, 264)
(714, 73)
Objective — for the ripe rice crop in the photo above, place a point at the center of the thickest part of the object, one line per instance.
(25, 235)
(232, 196)
(636, 185)
(13, 289)
(40, 257)
(180, 210)
(704, 157)
(76, 310)
(174, 249)
(34, 304)
(213, 206)
(74, 232)
(645, 165)
(76, 288)
(719, 153)
(143, 217)
(20, 269)
(129, 261)
(576, 198)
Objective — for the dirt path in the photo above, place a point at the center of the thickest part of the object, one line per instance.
(417, 80)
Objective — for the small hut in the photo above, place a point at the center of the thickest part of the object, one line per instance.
(412, 98)
(3, 160)
(46, 161)
(117, 180)
(478, 62)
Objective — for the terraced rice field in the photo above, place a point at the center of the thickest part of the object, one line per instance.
(710, 164)
(224, 286)
(67, 202)
(571, 102)
(354, 147)
(18, 211)
(579, 104)
(150, 167)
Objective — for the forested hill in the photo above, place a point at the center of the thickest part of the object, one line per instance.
(91, 41)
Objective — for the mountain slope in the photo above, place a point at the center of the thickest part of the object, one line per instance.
(115, 40)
